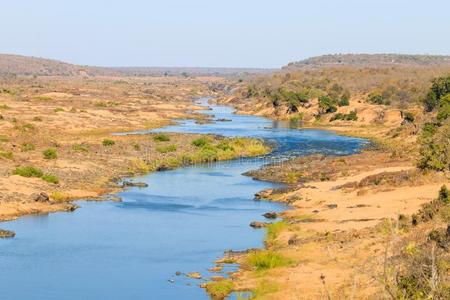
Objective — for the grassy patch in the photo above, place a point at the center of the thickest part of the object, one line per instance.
(273, 230)
(161, 138)
(28, 172)
(50, 178)
(266, 259)
(200, 142)
(264, 288)
(220, 289)
(167, 149)
(108, 142)
(4, 106)
(138, 166)
(80, 148)
(34, 172)
(50, 153)
(58, 109)
(59, 196)
(7, 155)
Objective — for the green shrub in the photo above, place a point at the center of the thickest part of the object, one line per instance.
(444, 108)
(161, 138)
(58, 109)
(167, 149)
(50, 178)
(28, 172)
(108, 142)
(25, 147)
(444, 194)
(225, 146)
(50, 154)
(326, 105)
(439, 88)
(4, 106)
(37, 119)
(352, 116)
(200, 142)
(378, 99)
(266, 259)
(344, 102)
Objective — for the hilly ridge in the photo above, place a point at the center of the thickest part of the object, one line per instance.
(28, 66)
(369, 60)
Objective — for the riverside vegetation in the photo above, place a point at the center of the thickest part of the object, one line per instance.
(373, 225)
(56, 142)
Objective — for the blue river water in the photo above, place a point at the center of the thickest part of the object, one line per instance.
(183, 221)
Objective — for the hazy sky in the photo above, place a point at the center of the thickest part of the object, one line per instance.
(230, 33)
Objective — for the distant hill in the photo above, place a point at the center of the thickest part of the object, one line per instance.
(369, 60)
(29, 66)
(26, 65)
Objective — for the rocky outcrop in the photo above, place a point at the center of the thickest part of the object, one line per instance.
(41, 197)
(270, 215)
(257, 224)
(134, 184)
(7, 234)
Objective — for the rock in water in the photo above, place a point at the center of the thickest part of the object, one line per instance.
(194, 275)
(134, 184)
(270, 215)
(257, 224)
(7, 234)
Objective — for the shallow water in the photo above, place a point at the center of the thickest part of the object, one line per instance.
(183, 221)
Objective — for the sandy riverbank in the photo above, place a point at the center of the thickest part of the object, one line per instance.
(343, 231)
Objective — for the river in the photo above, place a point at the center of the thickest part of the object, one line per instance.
(183, 221)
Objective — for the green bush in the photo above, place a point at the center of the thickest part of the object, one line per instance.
(444, 194)
(108, 142)
(58, 109)
(344, 102)
(50, 178)
(352, 116)
(200, 142)
(161, 138)
(444, 108)
(167, 149)
(378, 99)
(50, 154)
(28, 172)
(326, 105)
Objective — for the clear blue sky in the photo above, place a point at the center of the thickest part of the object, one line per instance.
(230, 33)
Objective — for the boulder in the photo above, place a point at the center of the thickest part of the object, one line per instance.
(41, 197)
(7, 234)
(194, 275)
(257, 224)
(270, 215)
(134, 184)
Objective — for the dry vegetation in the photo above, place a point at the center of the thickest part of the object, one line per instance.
(367, 226)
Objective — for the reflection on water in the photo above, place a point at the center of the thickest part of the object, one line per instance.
(183, 221)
